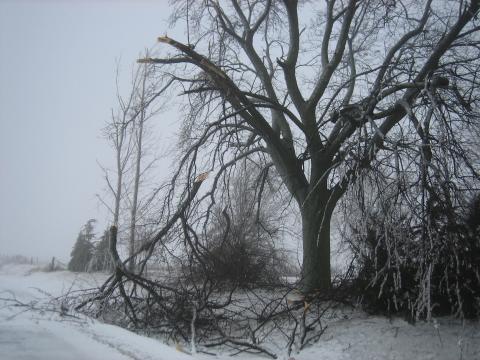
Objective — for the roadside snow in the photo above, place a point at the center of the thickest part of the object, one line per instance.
(368, 337)
(38, 335)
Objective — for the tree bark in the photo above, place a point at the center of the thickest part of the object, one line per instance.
(316, 214)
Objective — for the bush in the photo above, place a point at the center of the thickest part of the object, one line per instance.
(419, 269)
(240, 252)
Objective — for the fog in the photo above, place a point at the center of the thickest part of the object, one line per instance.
(57, 88)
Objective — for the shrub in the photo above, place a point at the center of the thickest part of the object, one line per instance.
(240, 251)
(419, 269)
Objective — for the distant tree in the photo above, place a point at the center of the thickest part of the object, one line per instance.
(101, 259)
(81, 254)
(88, 229)
(83, 248)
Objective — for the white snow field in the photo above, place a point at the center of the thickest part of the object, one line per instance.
(43, 334)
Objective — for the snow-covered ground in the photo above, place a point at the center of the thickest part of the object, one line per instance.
(43, 334)
(38, 335)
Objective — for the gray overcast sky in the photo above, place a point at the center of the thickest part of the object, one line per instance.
(57, 86)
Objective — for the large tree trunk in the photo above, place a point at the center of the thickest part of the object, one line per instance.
(316, 216)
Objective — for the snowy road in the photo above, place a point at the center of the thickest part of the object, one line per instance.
(37, 335)
(24, 341)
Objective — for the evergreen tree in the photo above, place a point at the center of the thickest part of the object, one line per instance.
(88, 229)
(101, 260)
(83, 248)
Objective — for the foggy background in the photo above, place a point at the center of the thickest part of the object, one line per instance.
(57, 89)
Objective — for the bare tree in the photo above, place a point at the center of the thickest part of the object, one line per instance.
(147, 90)
(322, 91)
(317, 96)
(116, 132)
(126, 132)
